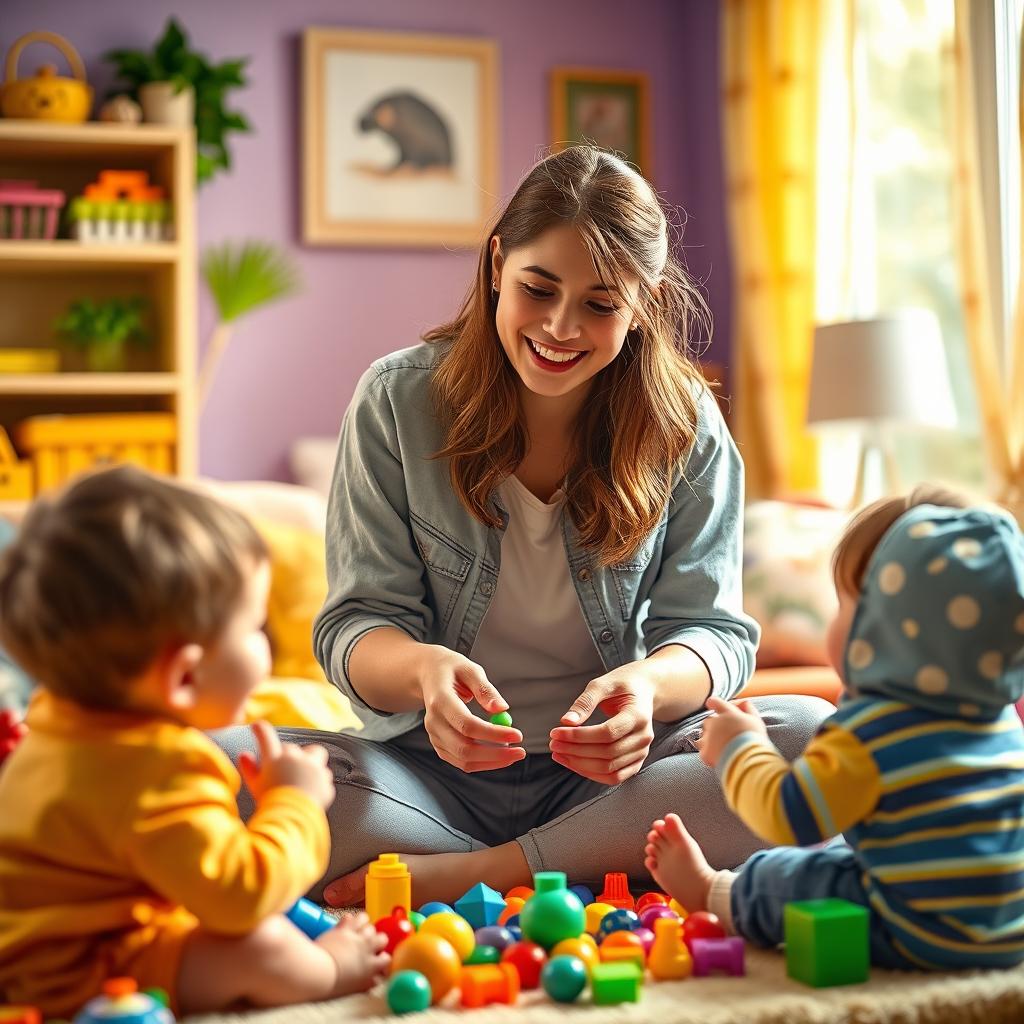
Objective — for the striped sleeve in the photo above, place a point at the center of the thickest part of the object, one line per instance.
(831, 787)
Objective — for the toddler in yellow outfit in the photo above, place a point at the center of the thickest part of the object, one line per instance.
(138, 605)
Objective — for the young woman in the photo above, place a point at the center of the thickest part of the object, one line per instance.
(539, 509)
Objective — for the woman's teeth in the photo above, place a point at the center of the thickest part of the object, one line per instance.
(551, 355)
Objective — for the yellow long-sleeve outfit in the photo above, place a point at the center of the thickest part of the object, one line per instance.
(119, 836)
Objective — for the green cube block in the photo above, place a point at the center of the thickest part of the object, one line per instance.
(613, 983)
(826, 942)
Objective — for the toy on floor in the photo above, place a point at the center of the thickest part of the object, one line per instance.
(388, 885)
(552, 913)
(826, 942)
(713, 955)
(489, 983)
(311, 919)
(122, 1000)
(408, 992)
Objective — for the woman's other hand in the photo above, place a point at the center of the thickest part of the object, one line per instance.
(448, 683)
(726, 723)
(615, 750)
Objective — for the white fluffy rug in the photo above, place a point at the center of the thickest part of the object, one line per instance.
(764, 996)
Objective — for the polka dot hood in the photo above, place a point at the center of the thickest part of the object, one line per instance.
(940, 621)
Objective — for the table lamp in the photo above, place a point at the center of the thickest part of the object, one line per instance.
(876, 373)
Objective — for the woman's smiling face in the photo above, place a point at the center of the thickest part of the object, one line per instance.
(558, 324)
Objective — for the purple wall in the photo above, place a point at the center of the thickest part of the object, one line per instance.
(291, 368)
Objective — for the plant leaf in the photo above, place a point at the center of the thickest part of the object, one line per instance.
(243, 276)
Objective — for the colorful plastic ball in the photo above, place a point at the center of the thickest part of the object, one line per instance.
(494, 935)
(586, 895)
(622, 937)
(617, 921)
(436, 908)
(552, 916)
(483, 955)
(595, 915)
(651, 899)
(417, 919)
(396, 928)
(434, 957)
(456, 930)
(528, 959)
(519, 892)
(408, 992)
(646, 937)
(651, 914)
(584, 948)
(516, 932)
(515, 921)
(702, 925)
(501, 718)
(564, 978)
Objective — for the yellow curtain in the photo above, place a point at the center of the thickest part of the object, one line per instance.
(1000, 401)
(770, 86)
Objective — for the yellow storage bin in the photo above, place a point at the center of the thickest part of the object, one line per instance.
(60, 447)
(15, 476)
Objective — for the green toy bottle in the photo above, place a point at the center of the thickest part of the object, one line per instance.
(552, 913)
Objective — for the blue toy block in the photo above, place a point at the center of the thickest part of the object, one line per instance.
(310, 918)
(481, 906)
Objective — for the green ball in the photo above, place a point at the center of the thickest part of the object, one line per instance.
(564, 978)
(408, 992)
(550, 916)
(483, 955)
(501, 718)
(417, 919)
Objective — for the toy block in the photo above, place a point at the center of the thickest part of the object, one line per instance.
(489, 983)
(616, 891)
(480, 906)
(615, 983)
(711, 955)
(311, 919)
(826, 942)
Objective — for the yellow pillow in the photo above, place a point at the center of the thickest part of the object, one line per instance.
(298, 587)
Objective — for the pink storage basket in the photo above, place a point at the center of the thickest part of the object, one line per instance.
(29, 212)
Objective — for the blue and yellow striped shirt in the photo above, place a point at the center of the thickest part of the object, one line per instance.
(932, 806)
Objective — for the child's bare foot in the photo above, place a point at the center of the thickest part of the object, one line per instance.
(677, 863)
(357, 951)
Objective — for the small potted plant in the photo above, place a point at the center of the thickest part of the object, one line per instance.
(177, 85)
(103, 328)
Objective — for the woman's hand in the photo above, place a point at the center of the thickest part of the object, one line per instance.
(727, 721)
(448, 683)
(286, 764)
(613, 751)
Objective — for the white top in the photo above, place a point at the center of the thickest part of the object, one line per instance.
(534, 643)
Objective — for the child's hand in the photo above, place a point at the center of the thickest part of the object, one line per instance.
(726, 722)
(286, 764)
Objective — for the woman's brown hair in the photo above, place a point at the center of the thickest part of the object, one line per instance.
(640, 418)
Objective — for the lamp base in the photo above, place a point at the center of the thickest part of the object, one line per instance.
(875, 447)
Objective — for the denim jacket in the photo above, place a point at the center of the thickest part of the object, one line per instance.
(403, 551)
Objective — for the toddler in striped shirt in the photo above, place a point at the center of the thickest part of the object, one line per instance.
(921, 768)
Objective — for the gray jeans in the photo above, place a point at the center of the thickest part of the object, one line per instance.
(400, 796)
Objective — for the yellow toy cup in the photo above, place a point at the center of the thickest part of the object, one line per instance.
(46, 96)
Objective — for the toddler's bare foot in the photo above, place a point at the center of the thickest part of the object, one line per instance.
(357, 951)
(677, 863)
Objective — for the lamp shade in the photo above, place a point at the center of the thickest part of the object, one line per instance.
(891, 369)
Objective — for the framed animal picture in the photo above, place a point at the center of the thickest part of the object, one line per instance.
(399, 138)
(608, 108)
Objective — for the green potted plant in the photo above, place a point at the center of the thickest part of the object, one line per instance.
(103, 328)
(240, 277)
(177, 85)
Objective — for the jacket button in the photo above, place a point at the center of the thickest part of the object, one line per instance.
(583, 575)
(607, 636)
(487, 588)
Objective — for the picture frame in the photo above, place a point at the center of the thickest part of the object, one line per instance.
(607, 107)
(400, 136)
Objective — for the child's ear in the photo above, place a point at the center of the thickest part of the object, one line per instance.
(179, 676)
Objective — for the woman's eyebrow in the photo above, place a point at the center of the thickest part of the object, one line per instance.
(534, 269)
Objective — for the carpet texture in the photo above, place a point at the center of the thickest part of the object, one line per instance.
(764, 996)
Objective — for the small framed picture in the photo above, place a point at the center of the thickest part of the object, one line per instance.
(400, 138)
(606, 107)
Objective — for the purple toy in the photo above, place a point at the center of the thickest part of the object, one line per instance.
(725, 955)
(494, 935)
(651, 914)
(646, 936)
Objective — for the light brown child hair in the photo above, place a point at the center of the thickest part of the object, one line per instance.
(868, 526)
(112, 571)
